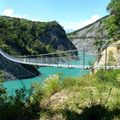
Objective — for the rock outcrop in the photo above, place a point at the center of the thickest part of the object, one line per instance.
(111, 55)
(16, 71)
(88, 36)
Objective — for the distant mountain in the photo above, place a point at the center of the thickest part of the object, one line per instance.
(90, 37)
(69, 30)
(24, 37)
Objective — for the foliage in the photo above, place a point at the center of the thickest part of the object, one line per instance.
(52, 85)
(112, 23)
(36, 97)
(90, 97)
(110, 76)
(69, 82)
(16, 107)
(21, 36)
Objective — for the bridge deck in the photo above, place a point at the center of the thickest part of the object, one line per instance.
(43, 62)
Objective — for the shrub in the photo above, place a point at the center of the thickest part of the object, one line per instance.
(13, 107)
(36, 97)
(52, 85)
(69, 82)
(17, 107)
(107, 75)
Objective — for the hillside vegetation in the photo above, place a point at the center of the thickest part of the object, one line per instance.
(21, 36)
(25, 37)
(92, 97)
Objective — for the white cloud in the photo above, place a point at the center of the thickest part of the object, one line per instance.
(10, 12)
(77, 25)
(20, 16)
(68, 26)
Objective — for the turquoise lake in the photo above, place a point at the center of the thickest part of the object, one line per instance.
(47, 71)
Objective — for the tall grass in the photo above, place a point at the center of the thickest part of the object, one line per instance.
(52, 85)
(95, 97)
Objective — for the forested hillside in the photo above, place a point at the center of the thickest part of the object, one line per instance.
(21, 36)
(24, 37)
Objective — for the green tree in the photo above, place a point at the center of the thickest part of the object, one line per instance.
(112, 23)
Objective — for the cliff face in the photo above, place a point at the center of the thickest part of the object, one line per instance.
(89, 36)
(112, 55)
(16, 71)
(24, 37)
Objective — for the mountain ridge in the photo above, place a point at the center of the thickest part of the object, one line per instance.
(89, 36)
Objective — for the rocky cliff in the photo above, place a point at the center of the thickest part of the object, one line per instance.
(111, 55)
(24, 37)
(13, 70)
(90, 36)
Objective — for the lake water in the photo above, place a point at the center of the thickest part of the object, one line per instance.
(47, 71)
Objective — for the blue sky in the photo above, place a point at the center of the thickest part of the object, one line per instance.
(71, 14)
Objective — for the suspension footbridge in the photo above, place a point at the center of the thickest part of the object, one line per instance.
(57, 59)
(65, 59)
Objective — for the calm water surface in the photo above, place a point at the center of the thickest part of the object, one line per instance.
(46, 71)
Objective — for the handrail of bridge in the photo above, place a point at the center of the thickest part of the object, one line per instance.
(41, 61)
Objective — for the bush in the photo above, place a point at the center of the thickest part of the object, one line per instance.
(17, 107)
(69, 82)
(36, 97)
(52, 85)
(107, 75)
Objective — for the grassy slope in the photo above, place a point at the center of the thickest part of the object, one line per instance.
(92, 97)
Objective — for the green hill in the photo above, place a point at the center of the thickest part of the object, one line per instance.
(25, 37)
(21, 36)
